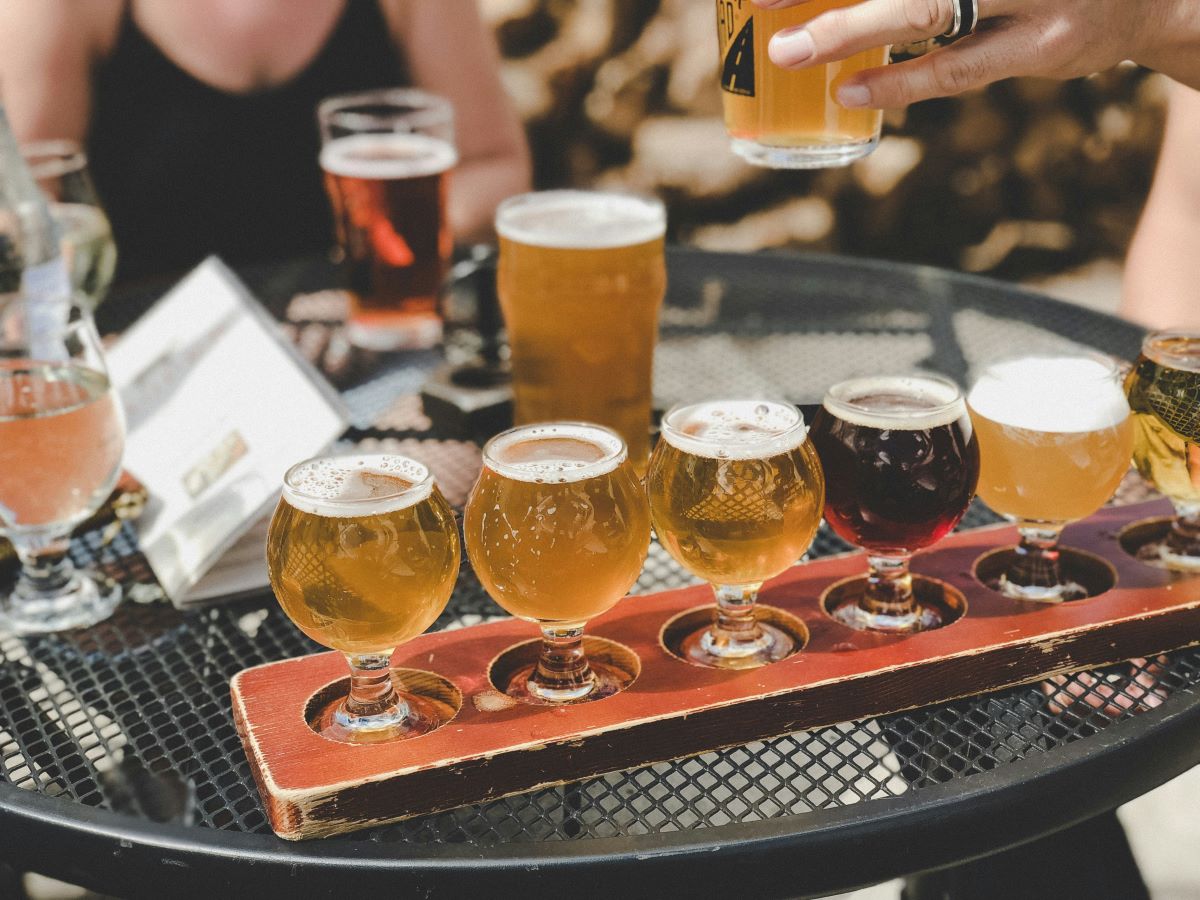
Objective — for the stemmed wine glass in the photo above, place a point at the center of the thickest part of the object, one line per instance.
(85, 235)
(62, 435)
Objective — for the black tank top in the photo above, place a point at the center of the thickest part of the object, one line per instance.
(185, 169)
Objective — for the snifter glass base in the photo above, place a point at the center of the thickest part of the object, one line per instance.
(87, 600)
(602, 681)
(920, 618)
(714, 649)
(810, 156)
(411, 717)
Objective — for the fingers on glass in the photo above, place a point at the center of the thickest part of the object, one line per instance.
(736, 492)
(54, 392)
(901, 463)
(557, 529)
(1164, 393)
(1055, 434)
(363, 554)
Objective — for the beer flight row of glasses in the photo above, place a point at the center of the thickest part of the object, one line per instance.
(363, 551)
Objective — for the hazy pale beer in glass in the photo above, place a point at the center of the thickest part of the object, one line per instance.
(785, 119)
(1164, 392)
(363, 553)
(1055, 439)
(387, 157)
(582, 278)
(736, 491)
(62, 434)
(557, 530)
(901, 462)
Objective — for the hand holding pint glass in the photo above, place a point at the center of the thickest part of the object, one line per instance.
(789, 119)
(387, 157)
(363, 553)
(581, 279)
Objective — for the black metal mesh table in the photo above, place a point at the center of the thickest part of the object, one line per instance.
(147, 692)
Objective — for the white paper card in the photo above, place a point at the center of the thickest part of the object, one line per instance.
(218, 406)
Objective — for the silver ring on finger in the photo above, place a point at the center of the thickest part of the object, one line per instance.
(966, 19)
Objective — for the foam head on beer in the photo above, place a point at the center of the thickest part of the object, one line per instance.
(380, 157)
(738, 429)
(897, 403)
(557, 454)
(583, 220)
(357, 486)
(1054, 394)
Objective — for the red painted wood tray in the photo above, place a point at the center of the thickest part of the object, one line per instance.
(313, 787)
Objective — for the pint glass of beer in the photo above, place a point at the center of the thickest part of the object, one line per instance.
(785, 119)
(735, 496)
(1055, 439)
(901, 463)
(363, 553)
(387, 157)
(557, 530)
(581, 281)
(1164, 392)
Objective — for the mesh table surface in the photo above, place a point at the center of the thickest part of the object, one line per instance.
(133, 716)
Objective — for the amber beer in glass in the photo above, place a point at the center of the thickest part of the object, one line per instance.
(1164, 393)
(387, 157)
(581, 281)
(735, 492)
(901, 463)
(1055, 438)
(785, 119)
(557, 530)
(363, 553)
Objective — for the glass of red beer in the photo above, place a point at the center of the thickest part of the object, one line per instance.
(387, 156)
(901, 464)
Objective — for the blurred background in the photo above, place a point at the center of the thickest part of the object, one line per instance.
(1029, 180)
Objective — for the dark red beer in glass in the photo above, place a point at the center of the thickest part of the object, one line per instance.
(901, 464)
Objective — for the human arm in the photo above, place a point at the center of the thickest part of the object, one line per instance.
(47, 49)
(1063, 39)
(1162, 271)
(450, 52)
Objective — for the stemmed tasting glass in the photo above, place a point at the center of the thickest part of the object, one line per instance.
(1164, 392)
(901, 463)
(363, 553)
(62, 435)
(1055, 438)
(61, 170)
(557, 530)
(735, 496)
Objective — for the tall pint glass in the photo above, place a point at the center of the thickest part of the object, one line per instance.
(785, 119)
(581, 281)
(387, 157)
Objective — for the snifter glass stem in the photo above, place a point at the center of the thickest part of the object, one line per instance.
(736, 633)
(373, 708)
(1035, 572)
(562, 673)
(50, 594)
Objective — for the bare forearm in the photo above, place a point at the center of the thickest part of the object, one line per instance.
(477, 188)
(1162, 272)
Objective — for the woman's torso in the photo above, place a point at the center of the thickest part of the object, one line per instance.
(186, 169)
